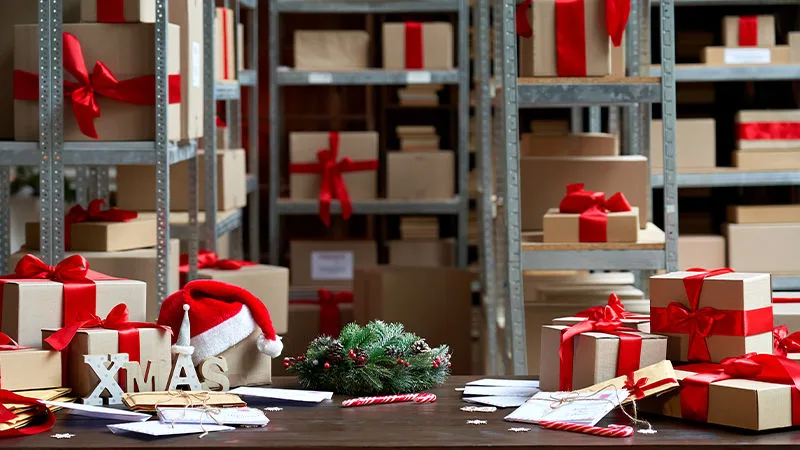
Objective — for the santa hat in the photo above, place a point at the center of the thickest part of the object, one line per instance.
(222, 315)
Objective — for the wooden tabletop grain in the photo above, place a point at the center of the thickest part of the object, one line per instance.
(439, 425)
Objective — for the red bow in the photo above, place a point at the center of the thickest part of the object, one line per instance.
(83, 92)
(783, 342)
(332, 184)
(329, 313)
(9, 344)
(616, 307)
(593, 209)
(637, 388)
(94, 214)
(220, 123)
(210, 260)
(40, 409)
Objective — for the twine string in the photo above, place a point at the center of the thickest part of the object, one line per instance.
(203, 398)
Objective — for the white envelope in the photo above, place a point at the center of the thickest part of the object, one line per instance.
(165, 429)
(293, 395)
(533, 384)
(99, 412)
(222, 416)
(497, 400)
(504, 391)
(587, 409)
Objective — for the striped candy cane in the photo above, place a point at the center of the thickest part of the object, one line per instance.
(365, 401)
(611, 431)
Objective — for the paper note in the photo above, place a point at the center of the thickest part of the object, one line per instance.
(99, 412)
(747, 56)
(294, 395)
(331, 265)
(497, 400)
(164, 429)
(506, 383)
(219, 416)
(586, 409)
(501, 390)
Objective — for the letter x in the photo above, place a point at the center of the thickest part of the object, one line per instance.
(107, 376)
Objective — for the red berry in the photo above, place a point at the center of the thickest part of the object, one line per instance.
(360, 359)
(400, 361)
(286, 364)
(407, 364)
(449, 365)
(327, 365)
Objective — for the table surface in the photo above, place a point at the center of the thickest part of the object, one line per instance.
(404, 425)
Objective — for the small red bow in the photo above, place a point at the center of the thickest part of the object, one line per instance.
(616, 307)
(593, 209)
(700, 324)
(783, 342)
(94, 213)
(9, 344)
(210, 260)
(635, 388)
(72, 269)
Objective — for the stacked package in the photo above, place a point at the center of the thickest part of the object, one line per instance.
(419, 95)
(766, 140)
(748, 40)
(417, 138)
(763, 238)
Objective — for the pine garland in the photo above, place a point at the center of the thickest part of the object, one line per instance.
(376, 359)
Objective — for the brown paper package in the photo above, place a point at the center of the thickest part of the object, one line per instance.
(794, 46)
(102, 236)
(30, 369)
(422, 252)
(329, 264)
(781, 159)
(550, 127)
(224, 34)
(755, 214)
(134, 11)
(333, 50)
(129, 52)
(437, 46)
(621, 226)
(154, 345)
(765, 35)
(240, 46)
(544, 182)
(696, 144)
(706, 251)
(399, 294)
(537, 55)
(581, 144)
(246, 365)
(715, 56)
(420, 175)
(737, 291)
(770, 247)
(358, 145)
(231, 184)
(745, 117)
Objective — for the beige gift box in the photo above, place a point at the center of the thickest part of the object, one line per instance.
(701, 251)
(437, 46)
(30, 369)
(224, 34)
(743, 118)
(329, 264)
(246, 365)
(695, 144)
(747, 56)
(420, 175)
(422, 252)
(765, 33)
(102, 236)
(579, 144)
(334, 50)
(769, 247)
(755, 214)
(621, 226)
(787, 312)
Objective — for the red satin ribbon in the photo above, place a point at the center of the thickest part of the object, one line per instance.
(756, 367)
(111, 11)
(524, 28)
(638, 387)
(785, 299)
(763, 131)
(593, 209)
(94, 214)
(329, 313)
(8, 344)
(84, 92)
(210, 260)
(40, 409)
(225, 56)
(414, 45)
(332, 184)
(784, 343)
(616, 306)
(220, 123)
(748, 31)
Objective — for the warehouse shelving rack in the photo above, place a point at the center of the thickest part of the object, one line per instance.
(280, 76)
(502, 237)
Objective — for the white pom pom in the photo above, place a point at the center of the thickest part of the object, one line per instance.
(268, 347)
(186, 306)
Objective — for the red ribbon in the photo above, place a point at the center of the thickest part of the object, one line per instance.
(9, 344)
(748, 31)
(225, 56)
(593, 209)
(756, 367)
(210, 260)
(329, 313)
(220, 123)
(783, 342)
(111, 11)
(10, 398)
(638, 387)
(94, 214)
(768, 130)
(84, 92)
(414, 45)
(332, 184)
(785, 299)
(616, 306)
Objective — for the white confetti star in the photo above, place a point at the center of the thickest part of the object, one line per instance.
(484, 409)
(62, 436)
(273, 409)
(519, 429)
(477, 422)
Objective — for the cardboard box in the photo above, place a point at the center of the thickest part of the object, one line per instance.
(745, 56)
(133, 11)
(30, 369)
(695, 140)
(621, 226)
(432, 45)
(246, 365)
(538, 54)
(422, 252)
(755, 214)
(400, 294)
(224, 34)
(188, 15)
(129, 52)
(580, 144)
(231, 187)
(751, 135)
(543, 179)
(747, 294)
(705, 251)
(329, 264)
(102, 236)
(269, 283)
(154, 345)
(762, 36)
(357, 145)
(551, 127)
(240, 46)
(595, 356)
(782, 159)
(420, 175)
(332, 50)
(794, 47)
(786, 310)
(419, 144)
(764, 247)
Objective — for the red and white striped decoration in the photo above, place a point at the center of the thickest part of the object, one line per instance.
(366, 401)
(611, 431)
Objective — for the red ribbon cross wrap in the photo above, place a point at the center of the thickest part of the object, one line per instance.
(748, 31)
(414, 45)
(110, 11)
(783, 342)
(101, 82)
(593, 209)
(210, 260)
(329, 314)
(94, 213)
(226, 57)
(332, 185)
(40, 409)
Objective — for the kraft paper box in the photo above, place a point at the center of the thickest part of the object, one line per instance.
(537, 55)
(269, 283)
(129, 52)
(543, 178)
(420, 175)
(621, 226)
(399, 294)
(752, 123)
(30, 369)
(432, 46)
(580, 144)
(748, 56)
(246, 365)
(154, 345)
(102, 236)
(654, 374)
(754, 214)
(143, 11)
(231, 187)
(696, 144)
(240, 46)
(224, 34)
(768, 247)
(764, 32)
(595, 356)
(794, 47)
(357, 145)
(550, 127)
(746, 294)
(329, 264)
(780, 159)
(332, 50)
(422, 252)
(701, 251)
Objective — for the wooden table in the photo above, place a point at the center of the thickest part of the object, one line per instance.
(405, 425)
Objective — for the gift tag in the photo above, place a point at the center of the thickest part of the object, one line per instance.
(320, 78)
(747, 56)
(418, 77)
(586, 409)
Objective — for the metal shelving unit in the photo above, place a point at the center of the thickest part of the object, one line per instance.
(502, 237)
(281, 76)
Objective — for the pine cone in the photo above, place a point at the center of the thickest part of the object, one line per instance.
(321, 343)
(335, 351)
(420, 347)
(360, 357)
(393, 352)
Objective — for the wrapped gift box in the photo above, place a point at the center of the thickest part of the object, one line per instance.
(105, 11)
(753, 214)
(780, 159)
(786, 310)
(767, 129)
(102, 236)
(154, 345)
(736, 307)
(422, 252)
(579, 144)
(415, 45)
(420, 175)
(329, 264)
(722, 56)
(333, 50)
(767, 247)
(224, 34)
(128, 52)
(30, 369)
(620, 227)
(696, 144)
(701, 251)
(748, 31)
(246, 365)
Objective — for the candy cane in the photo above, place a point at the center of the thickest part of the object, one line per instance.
(365, 401)
(611, 431)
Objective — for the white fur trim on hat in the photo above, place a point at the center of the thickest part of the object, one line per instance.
(271, 348)
(216, 340)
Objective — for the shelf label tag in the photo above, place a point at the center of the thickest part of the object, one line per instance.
(332, 265)
(197, 58)
(320, 78)
(747, 56)
(418, 77)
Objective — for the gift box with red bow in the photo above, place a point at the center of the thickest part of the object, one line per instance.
(646, 382)
(109, 82)
(748, 31)
(785, 343)
(786, 309)
(118, 11)
(39, 296)
(24, 368)
(586, 216)
(418, 46)
(712, 315)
